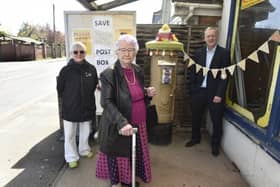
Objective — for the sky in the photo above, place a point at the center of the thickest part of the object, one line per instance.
(14, 13)
(272, 16)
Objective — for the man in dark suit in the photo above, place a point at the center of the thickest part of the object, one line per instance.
(208, 91)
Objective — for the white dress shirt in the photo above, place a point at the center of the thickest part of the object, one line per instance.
(209, 56)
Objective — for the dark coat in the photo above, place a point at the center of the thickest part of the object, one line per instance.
(76, 85)
(117, 104)
(215, 86)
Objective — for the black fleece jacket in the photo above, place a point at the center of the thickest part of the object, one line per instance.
(76, 85)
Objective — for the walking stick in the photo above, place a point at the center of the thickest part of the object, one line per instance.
(133, 155)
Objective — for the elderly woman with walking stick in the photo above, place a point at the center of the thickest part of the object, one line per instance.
(124, 99)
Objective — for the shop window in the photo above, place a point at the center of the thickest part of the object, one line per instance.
(251, 93)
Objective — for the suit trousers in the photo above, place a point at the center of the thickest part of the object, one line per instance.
(70, 144)
(200, 101)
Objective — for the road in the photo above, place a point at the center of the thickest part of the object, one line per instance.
(31, 154)
(25, 82)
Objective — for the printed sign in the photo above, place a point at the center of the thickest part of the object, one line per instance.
(248, 3)
(83, 36)
(103, 40)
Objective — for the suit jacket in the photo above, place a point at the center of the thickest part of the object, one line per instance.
(215, 86)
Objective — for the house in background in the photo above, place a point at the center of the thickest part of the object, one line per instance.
(197, 12)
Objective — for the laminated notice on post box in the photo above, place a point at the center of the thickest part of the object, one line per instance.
(166, 75)
(166, 63)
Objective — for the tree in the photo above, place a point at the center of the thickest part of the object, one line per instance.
(41, 33)
(3, 32)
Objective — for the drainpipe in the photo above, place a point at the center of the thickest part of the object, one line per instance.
(191, 13)
(200, 5)
(181, 19)
(197, 9)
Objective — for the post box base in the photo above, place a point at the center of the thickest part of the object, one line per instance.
(161, 134)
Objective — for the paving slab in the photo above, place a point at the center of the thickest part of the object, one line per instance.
(173, 165)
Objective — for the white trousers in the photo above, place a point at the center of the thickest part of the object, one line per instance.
(70, 146)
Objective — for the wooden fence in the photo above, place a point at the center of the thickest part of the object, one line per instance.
(14, 50)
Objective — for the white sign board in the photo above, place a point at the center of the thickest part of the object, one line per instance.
(98, 30)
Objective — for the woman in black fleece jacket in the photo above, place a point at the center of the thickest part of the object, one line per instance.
(76, 85)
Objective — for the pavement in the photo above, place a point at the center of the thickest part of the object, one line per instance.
(34, 156)
(31, 153)
(173, 165)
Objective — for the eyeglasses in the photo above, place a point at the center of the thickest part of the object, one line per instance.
(129, 50)
(76, 52)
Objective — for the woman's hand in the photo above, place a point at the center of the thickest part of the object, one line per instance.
(127, 130)
(151, 91)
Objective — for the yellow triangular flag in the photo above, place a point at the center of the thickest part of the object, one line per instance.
(242, 64)
(254, 57)
(186, 56)
(204, 71)
(223, 74)
(197, 66)
(191, 62)
(231, 69)
(214, 72)
(264, 48)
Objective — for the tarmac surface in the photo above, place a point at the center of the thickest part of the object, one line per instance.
(28, 164)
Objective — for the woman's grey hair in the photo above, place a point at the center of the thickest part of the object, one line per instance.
(129, 39)
(78, 46)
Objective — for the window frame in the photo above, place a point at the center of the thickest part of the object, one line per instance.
(268, 138)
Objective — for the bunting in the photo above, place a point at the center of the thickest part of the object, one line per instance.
(254, 57)
(186, 57)
(264, 48)
(231, 69)
(204, 71)
(214, 72)
(242, 64)
(275, 37)
(191, 62)
(223, 74)
(197, 67)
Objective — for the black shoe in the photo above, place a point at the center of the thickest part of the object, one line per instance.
(192, 143)
(215, 150)
(137, 184)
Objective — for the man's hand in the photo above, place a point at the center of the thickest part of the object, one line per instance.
(217, 99)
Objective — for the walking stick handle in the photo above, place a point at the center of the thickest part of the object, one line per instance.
(135, 130)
